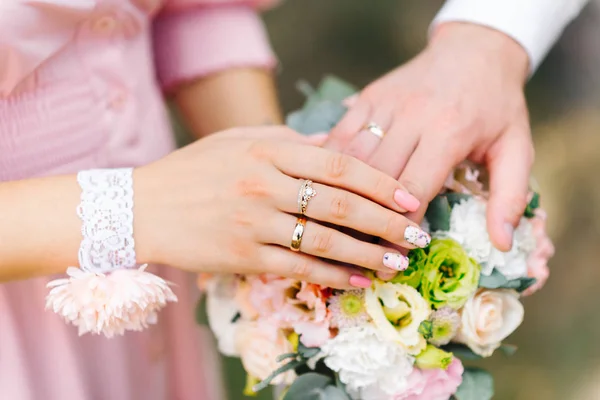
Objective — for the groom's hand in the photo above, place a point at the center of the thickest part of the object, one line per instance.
(461, 97)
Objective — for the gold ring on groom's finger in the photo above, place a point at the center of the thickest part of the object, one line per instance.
(375, 129)
(297, 235)
(305, 193)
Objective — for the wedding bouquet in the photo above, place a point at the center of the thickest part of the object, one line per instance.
(401, 339)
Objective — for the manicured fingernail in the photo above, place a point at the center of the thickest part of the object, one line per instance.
(417, 236)
(395, 261)
(360, 281)
(406, 200)
(350, 101)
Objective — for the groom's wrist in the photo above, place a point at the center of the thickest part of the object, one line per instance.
(485, 46)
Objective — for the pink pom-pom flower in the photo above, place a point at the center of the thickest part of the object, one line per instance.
(109, 304)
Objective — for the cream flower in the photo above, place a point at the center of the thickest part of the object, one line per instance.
(221, 310)
(468, 227)
(259, 344)
(397, 310)
(363, 358)
(488, 318)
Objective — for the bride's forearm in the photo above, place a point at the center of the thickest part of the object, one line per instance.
(234, 97)
(39, 228)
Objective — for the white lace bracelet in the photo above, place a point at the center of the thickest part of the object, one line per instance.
(108, 294)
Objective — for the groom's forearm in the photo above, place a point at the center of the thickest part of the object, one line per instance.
(234, 97)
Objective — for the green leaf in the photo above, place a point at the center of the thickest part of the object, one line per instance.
(477, 384)
(438, 214)
(333, 89)
(461, 351)
(200, 311)
(533, 204)
(508, 349)
(426, 329)
(285, 356)
(321, 118)
(455, 198)
(307, 352)
(498, 281)
(236, 317)
(308, 387)
(335, 393)
(323, 107)
(284, 368)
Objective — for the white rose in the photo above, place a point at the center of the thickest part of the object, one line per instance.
(221, 309)
(363, 358)
(469, 228)
(402, 304)
(488, 318)
(259, 344)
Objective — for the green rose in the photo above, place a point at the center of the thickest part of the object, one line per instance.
(432, 358)
(412, 275)
(450, 277)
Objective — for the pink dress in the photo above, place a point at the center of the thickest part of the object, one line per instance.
(78, 90)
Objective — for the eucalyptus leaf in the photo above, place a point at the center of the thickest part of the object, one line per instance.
(461, 351)
(333, 89)
(508, 349)
(496, 280)
(308, 387)
(323, 107)
(307, 352)
(321, 118)
(335, 393)
(284, 368)
(477, 384)
(285, 356)
(438, 214)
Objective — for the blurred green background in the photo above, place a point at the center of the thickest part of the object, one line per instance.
(359, 40)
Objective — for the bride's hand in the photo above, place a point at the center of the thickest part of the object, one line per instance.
(227, 204)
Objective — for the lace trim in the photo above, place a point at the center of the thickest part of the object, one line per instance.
(106, 210)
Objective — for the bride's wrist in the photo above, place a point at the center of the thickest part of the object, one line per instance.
(144, 215)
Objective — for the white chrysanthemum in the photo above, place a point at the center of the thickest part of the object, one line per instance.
(124, 300)
(221, 309)
(469, 228)
(362, 357)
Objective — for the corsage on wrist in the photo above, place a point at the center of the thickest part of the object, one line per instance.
(108, 294)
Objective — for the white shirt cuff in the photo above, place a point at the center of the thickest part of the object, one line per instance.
(535, 24)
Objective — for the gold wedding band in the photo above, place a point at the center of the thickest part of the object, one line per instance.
(305, 193)
(297, 235)
(375, 129)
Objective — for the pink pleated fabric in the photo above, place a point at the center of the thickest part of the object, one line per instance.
(79, 89)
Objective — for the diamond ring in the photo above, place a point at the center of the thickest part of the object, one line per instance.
(375, 129)
(305, 193)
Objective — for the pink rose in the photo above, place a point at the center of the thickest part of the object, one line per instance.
(264, 296)
(433, 384)
(537, 263)
(287, 304)
(259, 344)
